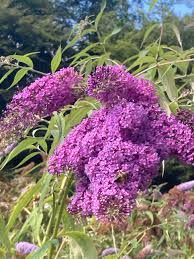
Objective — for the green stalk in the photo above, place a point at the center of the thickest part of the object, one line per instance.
(164, 64)
(29, 68)
(51, 221)
(61, 204)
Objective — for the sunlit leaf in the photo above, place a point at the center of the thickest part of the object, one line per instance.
(152, 4)
(22, 202)
(150, 216)
(83, 52)
(99, 16)
(23, 145)
(147, 33)
(88, 68)
(114, 32)
(41, 252)
(55, 62)
(81, 246)
(4, 235)
(32, 53)
(173, 107)
(177, 33)
(19, 75)
(6, 75)
(27, 158)
(23, 59)
(167, 77)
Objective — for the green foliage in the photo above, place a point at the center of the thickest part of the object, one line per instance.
(4, 235)
(22, 203)
(55, 62)
(40, 253)
(81, 246)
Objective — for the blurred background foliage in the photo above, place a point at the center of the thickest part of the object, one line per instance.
(42, 25)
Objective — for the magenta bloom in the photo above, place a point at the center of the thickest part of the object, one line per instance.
(111, 84)
(116, 152)
(187, 118)
(25, 248)
(40, 99)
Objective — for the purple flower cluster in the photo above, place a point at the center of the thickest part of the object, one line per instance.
(25, 248)
(40, 99)
(111, 84)
(117, 151)
(187, 118)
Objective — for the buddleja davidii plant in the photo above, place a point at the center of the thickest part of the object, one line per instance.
(168, 67)
(55, 134)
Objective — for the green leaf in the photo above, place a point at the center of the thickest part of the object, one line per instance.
(183, 66)
(45, 186)
(152, 4)
(142, 60)
(43, 144)
(6, 75)
(36, 224)
(173, 107)
(150, 75)
(150, 216)
(88, 68)
(56, 60)
(40, 253)
(177, 33)
(22, 202)
(102, 59)
(33, 215)
(83, 52)
(4, 235)
(24, 145)
(71, 43)
(32, 53)
(167, 75)
(2, 253)
(147, 33)
(23, 59)
(77, 38)
(114, 32)
(25, 225)
(70, 223)
(82, 247)
(99, 16)
(26, 158)
(19, 75)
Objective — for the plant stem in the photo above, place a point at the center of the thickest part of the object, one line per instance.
(60, 248)
(29, 68)
(50, 224)
(61, 204)
(160, 38)
(163, 64)
(177, 77)
(113, 238)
